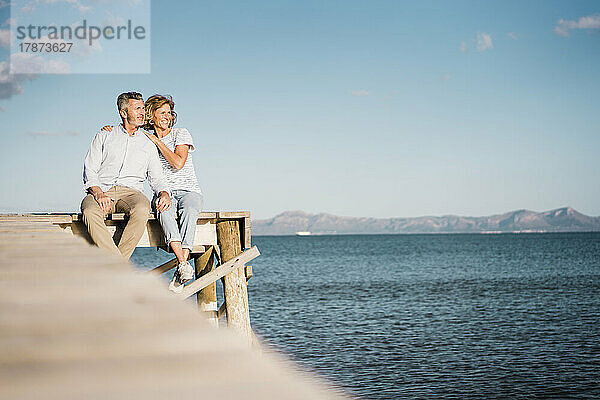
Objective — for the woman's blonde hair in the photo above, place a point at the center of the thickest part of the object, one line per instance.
(154, 103)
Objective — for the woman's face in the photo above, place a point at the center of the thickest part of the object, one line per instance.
(162, 117)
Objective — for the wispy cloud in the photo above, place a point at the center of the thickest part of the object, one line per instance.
(35, 64)
(10, 84)
(512, 35)
(358, 93)
(589, 22)
(46, 133)
(484, 41)
(23, 67)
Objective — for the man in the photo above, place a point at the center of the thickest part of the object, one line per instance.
(114, 172)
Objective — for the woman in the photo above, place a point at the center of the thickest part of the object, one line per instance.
(174, 146)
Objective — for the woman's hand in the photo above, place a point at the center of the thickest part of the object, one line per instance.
(107, 128)
(163, 202)
(151, 137)
(176, 158)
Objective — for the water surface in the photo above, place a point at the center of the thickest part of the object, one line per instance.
(444, 316)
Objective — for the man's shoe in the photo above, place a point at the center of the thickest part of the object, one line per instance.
(176, 286)
(186, 271)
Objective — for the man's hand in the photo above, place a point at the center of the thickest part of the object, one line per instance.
(163, 202)
(101, 198)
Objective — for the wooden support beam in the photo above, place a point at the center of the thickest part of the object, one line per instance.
(161, 269)
(222, 311)
(207, 297)
(247, 233)
(234, 286)
(219, 272)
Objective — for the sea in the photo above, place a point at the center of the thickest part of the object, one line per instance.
(454, 316)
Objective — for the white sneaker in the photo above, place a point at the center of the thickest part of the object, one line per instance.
(186, 271)
(176, 286)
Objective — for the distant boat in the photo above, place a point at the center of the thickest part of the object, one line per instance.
(303, 233)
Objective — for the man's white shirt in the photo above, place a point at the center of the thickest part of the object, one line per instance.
(117, 159)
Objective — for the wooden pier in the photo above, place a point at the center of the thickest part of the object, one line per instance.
(77, 322)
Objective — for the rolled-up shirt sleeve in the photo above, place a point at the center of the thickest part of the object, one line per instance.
(184, 137)
(156, 177)
(92, 162)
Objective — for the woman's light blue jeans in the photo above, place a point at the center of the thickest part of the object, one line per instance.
(185, 206)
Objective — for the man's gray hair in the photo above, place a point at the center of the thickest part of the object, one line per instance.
(123, 99)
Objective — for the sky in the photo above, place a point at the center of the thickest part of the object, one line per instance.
(354, 108)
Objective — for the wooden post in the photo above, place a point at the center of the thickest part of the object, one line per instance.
(207, 297)
(234, 284)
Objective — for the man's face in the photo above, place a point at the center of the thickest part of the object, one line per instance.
(134, 113)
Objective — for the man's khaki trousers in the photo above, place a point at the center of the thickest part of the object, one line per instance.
(124, 200)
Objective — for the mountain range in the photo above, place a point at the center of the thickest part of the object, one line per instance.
(560, 220)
